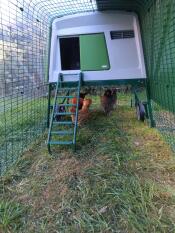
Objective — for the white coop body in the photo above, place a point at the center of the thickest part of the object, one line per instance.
(122, 38)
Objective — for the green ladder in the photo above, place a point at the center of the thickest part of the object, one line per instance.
(60, 128)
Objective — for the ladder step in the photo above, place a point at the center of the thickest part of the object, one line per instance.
(67, 105)
(73, 74)
(64, 114)
(76, 81)
(68, 89)
(70, 97)
(62, 123)
(60, 142)
(64, 105)
(64, 132)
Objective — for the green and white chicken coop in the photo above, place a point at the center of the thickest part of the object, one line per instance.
(74, 43)
(104, 46)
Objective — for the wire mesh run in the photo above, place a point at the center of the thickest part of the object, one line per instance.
(158, 26)
(24, 47)
(23, 83)
(158, 33)
(165, 123)
(24, 38)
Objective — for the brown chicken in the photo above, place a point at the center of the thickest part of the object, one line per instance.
(83, 114)
(74, 100)
(108, 100)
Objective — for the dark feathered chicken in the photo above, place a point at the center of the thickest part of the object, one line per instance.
(114, 97)
(59, 109)
(108, 100)
(82, 95)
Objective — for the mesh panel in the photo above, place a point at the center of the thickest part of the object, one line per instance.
(159, 39)
(24, 36)
(158, 33)
(23, 102)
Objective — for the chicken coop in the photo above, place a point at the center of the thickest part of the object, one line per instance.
(65, 44)
(104, 46)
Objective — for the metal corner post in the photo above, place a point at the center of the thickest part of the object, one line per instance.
(147, 83)
(49, 85)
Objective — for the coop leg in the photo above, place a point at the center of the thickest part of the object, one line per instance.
(49, 149)
(48, 110)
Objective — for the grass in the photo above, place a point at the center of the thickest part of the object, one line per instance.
(11, 215)
(121, 179)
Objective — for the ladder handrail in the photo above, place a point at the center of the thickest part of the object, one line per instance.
(53, 110)
(77, 108)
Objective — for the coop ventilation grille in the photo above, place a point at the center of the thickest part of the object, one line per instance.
(122, 34)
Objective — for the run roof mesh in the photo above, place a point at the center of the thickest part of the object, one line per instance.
(49, 9)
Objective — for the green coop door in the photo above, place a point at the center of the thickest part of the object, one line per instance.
(93, 52)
